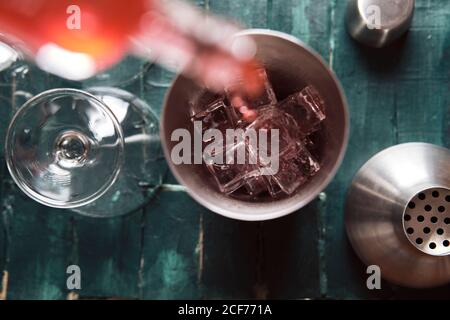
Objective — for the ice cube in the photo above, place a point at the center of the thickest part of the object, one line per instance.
(269, 119)
(229, 171)
(308, 143)
(242, 101)
(201, 100)
(273, 187)
(256, 185)
(217, 115)
(307, 107)
(293, 172)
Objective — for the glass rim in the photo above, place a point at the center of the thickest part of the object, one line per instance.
(20, 181)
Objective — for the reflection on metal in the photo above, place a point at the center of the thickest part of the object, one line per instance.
(378, 23)
(378, 214)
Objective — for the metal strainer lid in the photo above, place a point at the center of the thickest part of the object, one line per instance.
(398, 214)
(426, 221)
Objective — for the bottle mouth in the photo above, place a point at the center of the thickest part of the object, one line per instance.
(426, 221)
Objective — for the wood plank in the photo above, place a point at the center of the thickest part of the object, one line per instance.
(172, 251)
(5, 115)
(308, 20)
(290, 259)
(232, 252)
(156, 81)
(5, 112)
(38, 249)
(108, 252)
(4, 235)
(169, 266)
(248, 14)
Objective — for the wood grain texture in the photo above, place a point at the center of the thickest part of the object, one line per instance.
(5, 90)
(108, 253)
(174, 248)
(39, 249)
(172, 252)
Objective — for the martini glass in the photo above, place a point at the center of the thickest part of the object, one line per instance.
(90, 151)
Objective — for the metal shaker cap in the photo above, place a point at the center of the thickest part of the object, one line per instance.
(377, 23)
(398, 214)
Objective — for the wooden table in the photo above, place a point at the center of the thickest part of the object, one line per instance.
(174, 248)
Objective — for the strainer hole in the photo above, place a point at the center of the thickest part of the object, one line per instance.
(440, 231)
(422, 196)
(428, 208)
(432, 245)
(447, 198)
(410, 230)
(411, 205)
(420, 218)
(434, 219)
(447, 220)
(419, 240)
(441, 209)
(435, 194)
(407, 217)
(446, 243)
(426, 230)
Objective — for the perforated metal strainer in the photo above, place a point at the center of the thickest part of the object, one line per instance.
(426, 221)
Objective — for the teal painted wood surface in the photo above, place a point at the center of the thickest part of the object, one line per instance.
(174, 248)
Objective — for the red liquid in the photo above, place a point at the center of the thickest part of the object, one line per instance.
(105, 25)
(106, 28)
